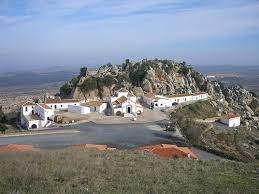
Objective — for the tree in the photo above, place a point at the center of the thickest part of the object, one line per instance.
(3, 128)
(138, 73)
(66, 89)
(88, 85)
(184, 70)
(1, 114)
(108, 81)
(74, 81)
(83, 71)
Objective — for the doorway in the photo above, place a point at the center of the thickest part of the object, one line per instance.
(129, 109)
(34, 126)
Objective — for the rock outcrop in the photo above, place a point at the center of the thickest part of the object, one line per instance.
(162, 77)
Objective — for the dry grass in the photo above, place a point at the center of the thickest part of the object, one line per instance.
(70, 171)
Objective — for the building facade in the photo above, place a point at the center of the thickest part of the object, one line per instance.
(125, 104)
(231, 120)
(159, 101)
(40, 115)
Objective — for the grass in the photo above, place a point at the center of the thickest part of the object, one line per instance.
(76, 171)
(186, 116)
(198, 110)
(227, 144)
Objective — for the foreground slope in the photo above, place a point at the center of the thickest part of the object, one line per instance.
(75, 171)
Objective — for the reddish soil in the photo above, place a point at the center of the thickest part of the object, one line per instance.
(15, 147)
(169, 151)
(92, 146)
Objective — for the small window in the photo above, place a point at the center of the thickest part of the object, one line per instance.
(161, 104)
(75, 104)
(61, 105)
(51, 106)
(26, 109)
(55, 106)
(156, 104)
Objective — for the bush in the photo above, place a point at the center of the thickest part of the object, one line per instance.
(66, 89)
(88, 85)
(3, 128)
(254, 105)
(107, 81)
(137, 73)
(83, 71)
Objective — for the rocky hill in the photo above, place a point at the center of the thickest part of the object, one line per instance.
(157, 76)
(161, 77)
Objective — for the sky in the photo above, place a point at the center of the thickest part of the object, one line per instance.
(50, 33)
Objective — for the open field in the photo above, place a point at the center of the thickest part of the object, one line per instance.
(246, 76)
(70, 171)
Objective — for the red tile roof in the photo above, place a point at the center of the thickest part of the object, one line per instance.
(231, 116)
(169, 151)
(44, 106)
(120, 100)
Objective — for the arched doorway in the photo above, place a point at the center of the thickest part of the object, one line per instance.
(118, 113)
(129, 109)
(34, 126)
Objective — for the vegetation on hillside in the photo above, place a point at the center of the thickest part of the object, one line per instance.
(185, 118)
(213, 137)
(150, 75)
(71, 171)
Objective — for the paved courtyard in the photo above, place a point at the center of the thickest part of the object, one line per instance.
(123, 136)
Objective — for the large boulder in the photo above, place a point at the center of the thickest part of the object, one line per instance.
(151, 75)
(138, 91)
(147, 86)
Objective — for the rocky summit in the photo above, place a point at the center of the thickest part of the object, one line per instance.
(161, 77)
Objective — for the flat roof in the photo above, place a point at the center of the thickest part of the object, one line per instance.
(59, 101)
(93, 103)
(29, 104)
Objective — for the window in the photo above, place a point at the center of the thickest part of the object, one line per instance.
(55, 106)
(156, 104)
(61, 105)
(51, 106)
(75, 104)
(161, 104)
(26, 109)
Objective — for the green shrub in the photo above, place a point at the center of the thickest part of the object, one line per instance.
(66, 89)
(3, 128)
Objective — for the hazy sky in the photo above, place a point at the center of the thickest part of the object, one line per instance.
(41, 33)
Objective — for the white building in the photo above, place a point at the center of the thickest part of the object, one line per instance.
(83, 110)
(125, 104)
(57, 103)
(231, 120)
(158, 101)
(40, 115)
(36, 115)
(96, 106)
